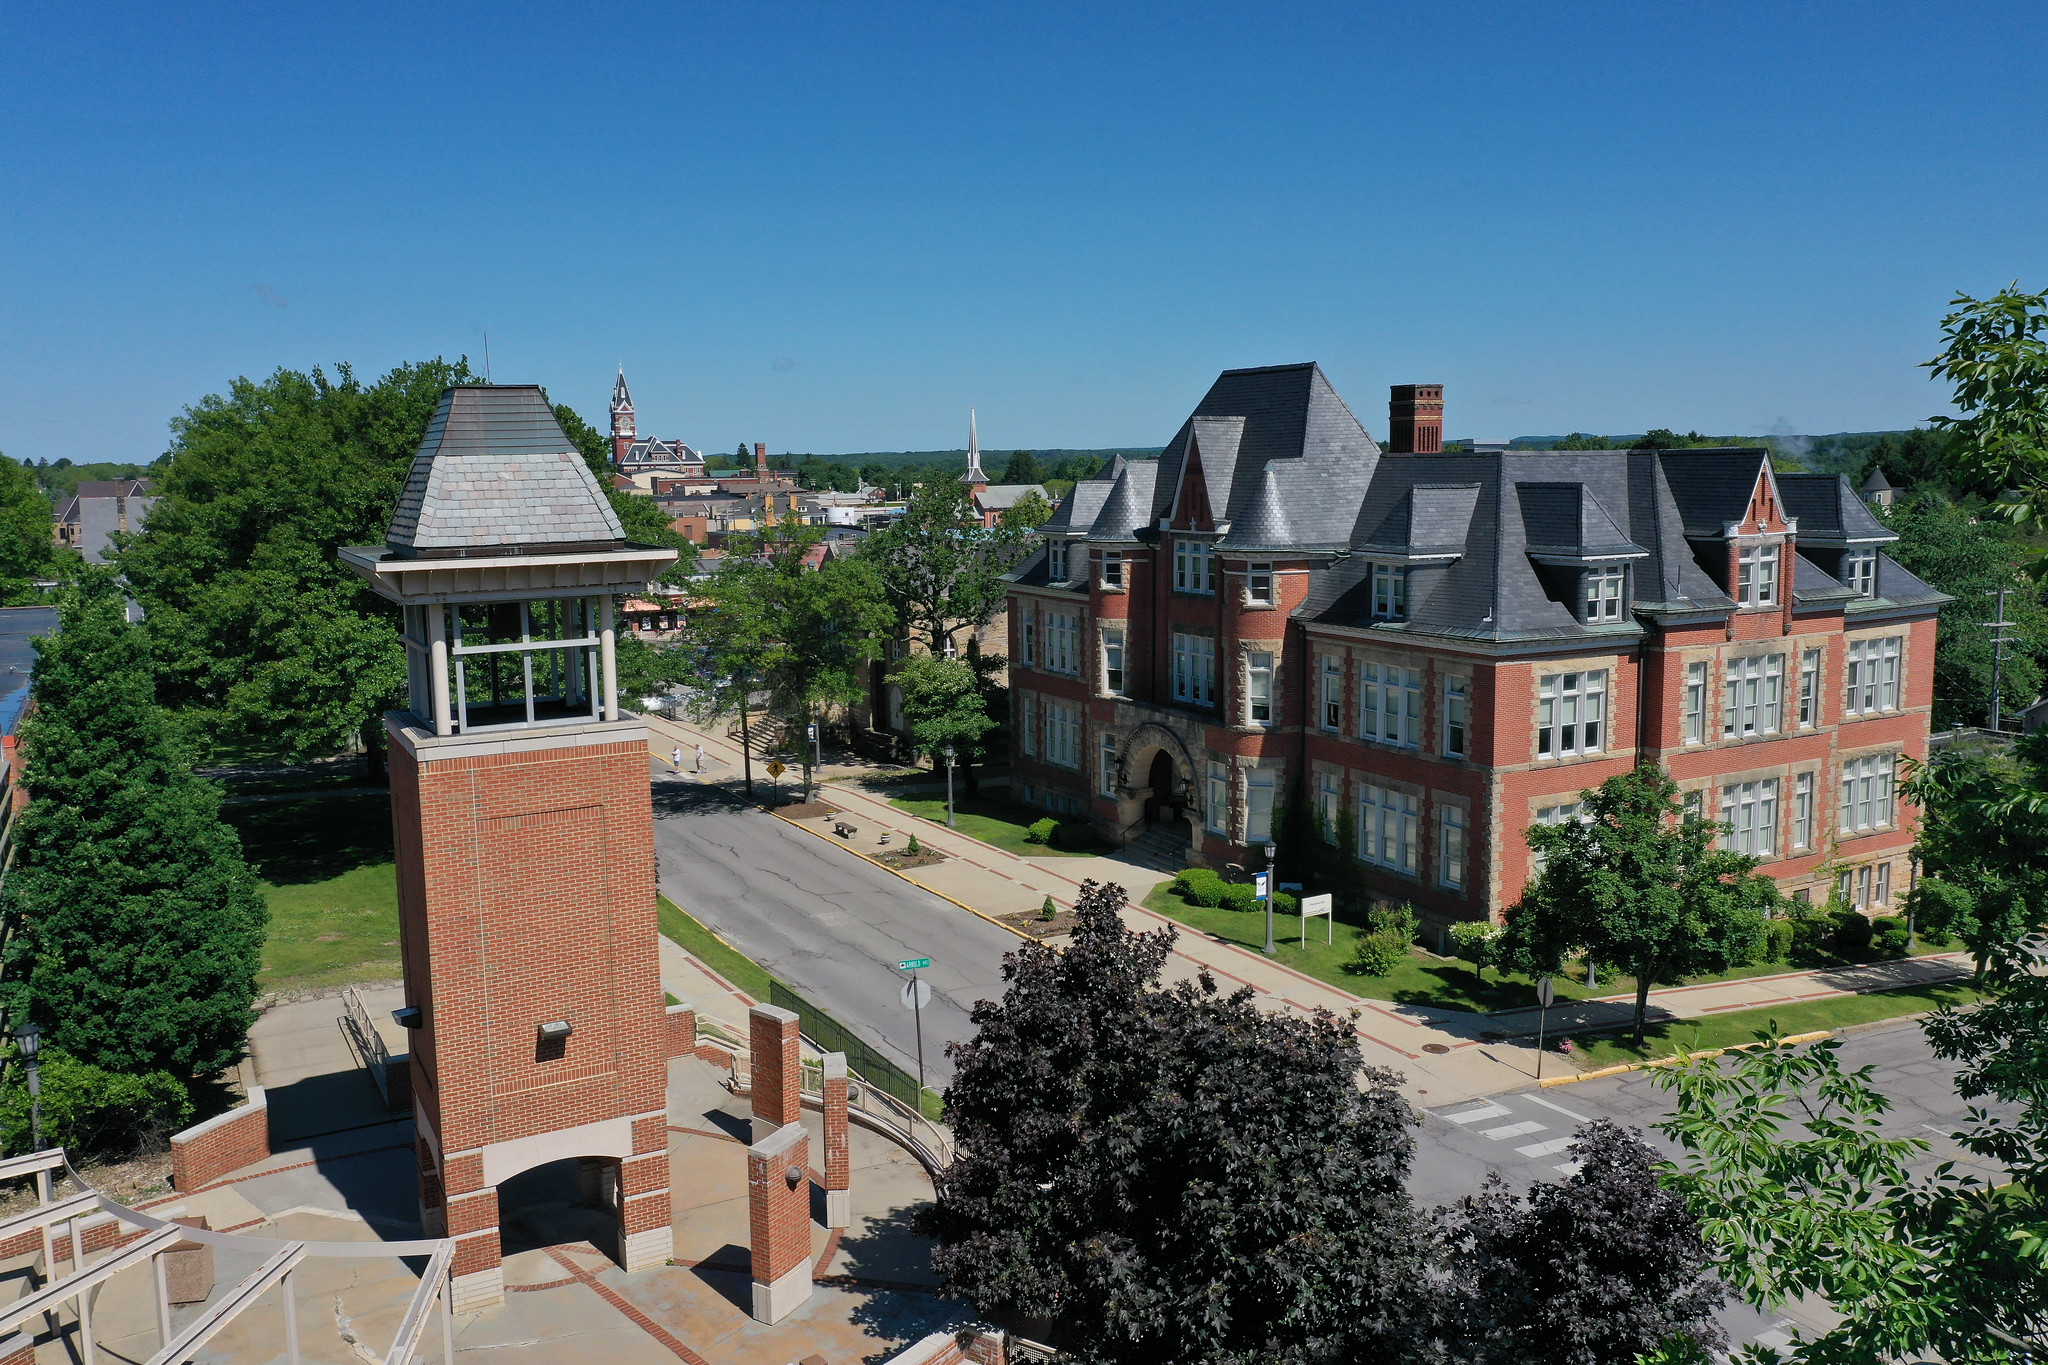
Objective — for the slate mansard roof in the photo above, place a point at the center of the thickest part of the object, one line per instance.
(1493, 543)
(496, 474)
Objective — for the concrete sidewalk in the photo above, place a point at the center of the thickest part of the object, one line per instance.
(1444, 1055)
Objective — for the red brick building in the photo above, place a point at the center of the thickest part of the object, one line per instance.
(525, 842)
(1435, 650)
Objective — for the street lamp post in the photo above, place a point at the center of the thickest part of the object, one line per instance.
(28, 1041)
(1272, 852)
(948, 752)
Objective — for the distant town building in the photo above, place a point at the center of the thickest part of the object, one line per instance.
(87, 521)
(1877, 489)
(992, 500)
(1430, 652)
(635, 454)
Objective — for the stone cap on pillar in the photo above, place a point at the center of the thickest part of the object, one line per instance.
(779, 1143)
(835, 1066)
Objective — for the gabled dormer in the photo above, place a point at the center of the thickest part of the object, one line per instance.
(1736, 521)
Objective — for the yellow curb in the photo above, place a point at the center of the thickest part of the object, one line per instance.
(795, 824)
(1549, 1081)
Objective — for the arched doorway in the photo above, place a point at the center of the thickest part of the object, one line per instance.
(575, 1199)
(1160, 802)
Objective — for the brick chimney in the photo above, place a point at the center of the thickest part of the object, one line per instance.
(761, 462)
(1415, 419)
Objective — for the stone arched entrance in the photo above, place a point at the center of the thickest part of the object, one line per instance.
(1157, 795)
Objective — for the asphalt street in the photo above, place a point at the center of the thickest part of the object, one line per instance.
(1524, 1135)
(829, 925)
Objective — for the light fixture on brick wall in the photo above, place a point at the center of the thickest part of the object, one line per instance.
(409, 1017)
(555, 1030)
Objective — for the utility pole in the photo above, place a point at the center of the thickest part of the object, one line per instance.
(1999, 640)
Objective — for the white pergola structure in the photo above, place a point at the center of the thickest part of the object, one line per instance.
(73, 1289)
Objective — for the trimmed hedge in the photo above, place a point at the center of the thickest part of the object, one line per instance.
(1041, 831)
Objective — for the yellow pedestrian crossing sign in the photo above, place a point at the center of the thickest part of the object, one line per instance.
(775, 768)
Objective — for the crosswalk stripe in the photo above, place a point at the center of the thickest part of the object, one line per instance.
(1569, 1168)
(1513, 1130)
(1491, 1111)
(1545, 1148)
(1557, 1108)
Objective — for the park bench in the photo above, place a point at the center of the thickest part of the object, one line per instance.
(844, 830)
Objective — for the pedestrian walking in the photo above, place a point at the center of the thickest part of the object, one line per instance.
(675, 760)
(700, 757)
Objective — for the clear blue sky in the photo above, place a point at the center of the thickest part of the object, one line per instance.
(833, 227)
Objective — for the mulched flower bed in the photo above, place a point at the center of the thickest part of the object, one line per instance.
(1028, 922)
(902, 861)
(805, 810)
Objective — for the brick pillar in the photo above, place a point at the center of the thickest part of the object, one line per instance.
(838, 1159)
(777, 1078)
(987, 1349)
(472, 1219)
(680, 1021)
(779, 1221)
(646, 1231)
(18, 1349)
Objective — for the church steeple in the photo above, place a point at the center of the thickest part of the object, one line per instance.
(974, 478)
(622, 418)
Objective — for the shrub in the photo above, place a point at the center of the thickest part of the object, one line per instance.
(1286, 903)
(1048, 912)
(1238, 896)
(1199, 886)
(1041, 831)
(1377, 954)
(1852, 933)
(89, 1111)
(1940, 938)
(1396, 922)
(913, 846)
(1892, 942)
(1475, 941)
(1778, 940)
(1810, 936)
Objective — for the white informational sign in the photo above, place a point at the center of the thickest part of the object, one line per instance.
(1259, 884)
(1311, 906)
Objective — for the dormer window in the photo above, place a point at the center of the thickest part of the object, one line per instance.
(1056, 561)
(1757, 576)
(1859, 572)
(1258, 585)
(1112, 568)
(1389, 592)
(1603, 593)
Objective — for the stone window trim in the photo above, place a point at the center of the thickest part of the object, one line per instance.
(1415, 789)
(1241, 685)
(1438, 803)
(1103, 558)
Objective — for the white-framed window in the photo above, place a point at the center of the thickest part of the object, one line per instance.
(1694, 804)
(1867, 793)
(1194, 566)
(1258, 805)
(1883, 889)
(1062, 735)
(1218, 815)
(1108, 760)
(1750, 812)
(1194, 669)
(1330, 804)
(1030, 724)
(1873, 676)
(1753, 696)
(1113, 662)
(1557, 815)
(1390, 705)
(1112, 568)
(1450, 856)
(1062, 643)
(1056, 561)
(1388, 826)
(1756, 568)
(1390, 592)
(1457, 715)
(1570, 711)
(1809, 689)
(1695, 709)
(1031, 638)
(1333, 693)
(1866, 886)
(1802, 811)
(1258, 692)
(1859, 572)
(1258, 584)
(1602, 597)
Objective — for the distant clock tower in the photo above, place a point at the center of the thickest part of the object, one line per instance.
(623, 433)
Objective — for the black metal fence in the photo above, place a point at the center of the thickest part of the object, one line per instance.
(832, 1036)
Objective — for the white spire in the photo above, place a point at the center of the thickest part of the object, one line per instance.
(974, 472)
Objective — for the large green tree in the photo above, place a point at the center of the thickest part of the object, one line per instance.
(134, 927)
(257, 629)
(1995, 353)
(941, 568)
(1640, 885)
(1983, 824)
(27, 551)
(946, 704)
(1971, 559)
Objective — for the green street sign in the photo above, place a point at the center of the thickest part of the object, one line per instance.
(911, 964)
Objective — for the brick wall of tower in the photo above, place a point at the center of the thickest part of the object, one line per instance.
(526, 894)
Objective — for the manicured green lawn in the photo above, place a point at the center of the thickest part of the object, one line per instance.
(999, 823)
(327, 873)
(1742, 1026)
(713, 951)
(1423, 979)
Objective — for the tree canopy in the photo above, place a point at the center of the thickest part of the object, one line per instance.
(1995, 353)
(27, 551)
(941, 568)
(1637, 884)
(1983, 823)
(134, 927)
(1022, 468)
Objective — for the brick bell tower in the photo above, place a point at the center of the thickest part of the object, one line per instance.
(525, 841)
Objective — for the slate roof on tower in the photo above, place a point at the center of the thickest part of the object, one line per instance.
(496, 474)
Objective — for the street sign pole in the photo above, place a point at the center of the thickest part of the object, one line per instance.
(917, 1014)
(1545, 993)
(1266, 894)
